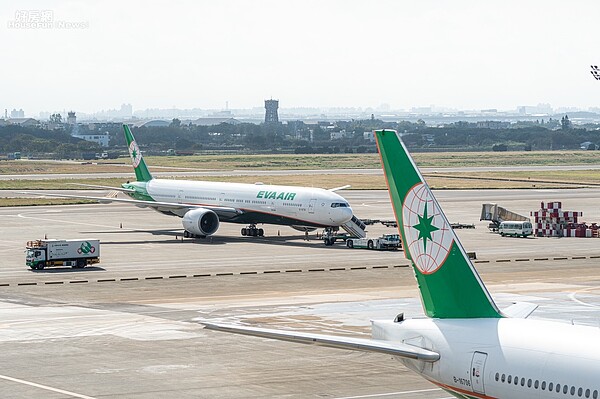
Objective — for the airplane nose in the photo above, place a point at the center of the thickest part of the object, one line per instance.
(342, 215)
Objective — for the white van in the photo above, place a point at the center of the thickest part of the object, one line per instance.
(513, 228)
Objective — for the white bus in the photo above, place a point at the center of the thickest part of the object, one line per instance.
(516, 229)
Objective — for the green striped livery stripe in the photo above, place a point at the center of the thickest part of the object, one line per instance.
(139, 165)
(449, 284)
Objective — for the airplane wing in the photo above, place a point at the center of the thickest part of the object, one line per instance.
(124, 190)
(223, 212)
(332, 341)
(340, 188)
(520, 310)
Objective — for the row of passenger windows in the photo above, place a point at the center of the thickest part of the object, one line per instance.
(240, 201)
(195, 197)
(550, 386)
(200, 198)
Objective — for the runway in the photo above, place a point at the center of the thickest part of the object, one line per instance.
(130, 328)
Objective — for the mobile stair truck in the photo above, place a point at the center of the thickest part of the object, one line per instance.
(75, 253)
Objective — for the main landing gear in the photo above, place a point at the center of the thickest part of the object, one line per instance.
(187, 234)
(252, 231)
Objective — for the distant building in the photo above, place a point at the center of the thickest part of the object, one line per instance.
(71, 119)
(588, 145)
(25, 122)
(214, 121)
(271, 107)
(340, 135)
(17, 114)
(152, 123)
(126, 111)
(540, 109)
(492, 125)
(100, 138)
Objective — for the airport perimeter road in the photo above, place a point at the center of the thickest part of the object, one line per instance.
(131, 327)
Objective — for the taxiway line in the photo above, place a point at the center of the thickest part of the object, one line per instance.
(381, 395)
(46, 387)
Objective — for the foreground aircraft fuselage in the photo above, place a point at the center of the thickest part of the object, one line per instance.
(502, 358)
(465, 345)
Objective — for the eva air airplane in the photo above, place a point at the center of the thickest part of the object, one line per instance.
(465, 345)
(203, 205)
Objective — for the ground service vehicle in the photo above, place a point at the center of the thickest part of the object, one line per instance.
(514, 228)
(386, 241)
(75, 253)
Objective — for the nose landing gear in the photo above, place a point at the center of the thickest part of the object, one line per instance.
(329, 236)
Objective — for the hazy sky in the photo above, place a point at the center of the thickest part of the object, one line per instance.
(460, 54)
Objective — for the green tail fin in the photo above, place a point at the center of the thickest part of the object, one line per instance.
(141, 170)
(449, 284)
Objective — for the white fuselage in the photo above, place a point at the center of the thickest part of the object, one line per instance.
(259, 203)
(503, 358)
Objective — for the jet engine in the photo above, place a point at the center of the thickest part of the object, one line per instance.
(201, 222)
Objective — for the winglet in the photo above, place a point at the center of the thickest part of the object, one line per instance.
(449, 284)
(139, 165)
(340, 188)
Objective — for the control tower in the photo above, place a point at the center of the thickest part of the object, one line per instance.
(271, 107)
(71, 119)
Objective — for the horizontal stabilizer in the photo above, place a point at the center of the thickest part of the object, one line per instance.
(340, 188)
(332, 341)
(520, 310)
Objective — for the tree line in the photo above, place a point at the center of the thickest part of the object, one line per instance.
(300, 137)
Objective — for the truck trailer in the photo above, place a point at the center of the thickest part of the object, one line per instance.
(75, 253)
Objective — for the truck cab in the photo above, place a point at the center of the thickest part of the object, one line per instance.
(35, 258)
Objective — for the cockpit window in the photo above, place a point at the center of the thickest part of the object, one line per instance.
(339, 205)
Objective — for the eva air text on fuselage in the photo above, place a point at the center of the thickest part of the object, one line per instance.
(275, 195)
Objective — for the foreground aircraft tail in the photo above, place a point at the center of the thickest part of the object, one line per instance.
(141, 170)
(449, 284)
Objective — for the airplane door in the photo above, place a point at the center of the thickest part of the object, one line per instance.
(311, 206)
(478, 371)
(180, 196)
